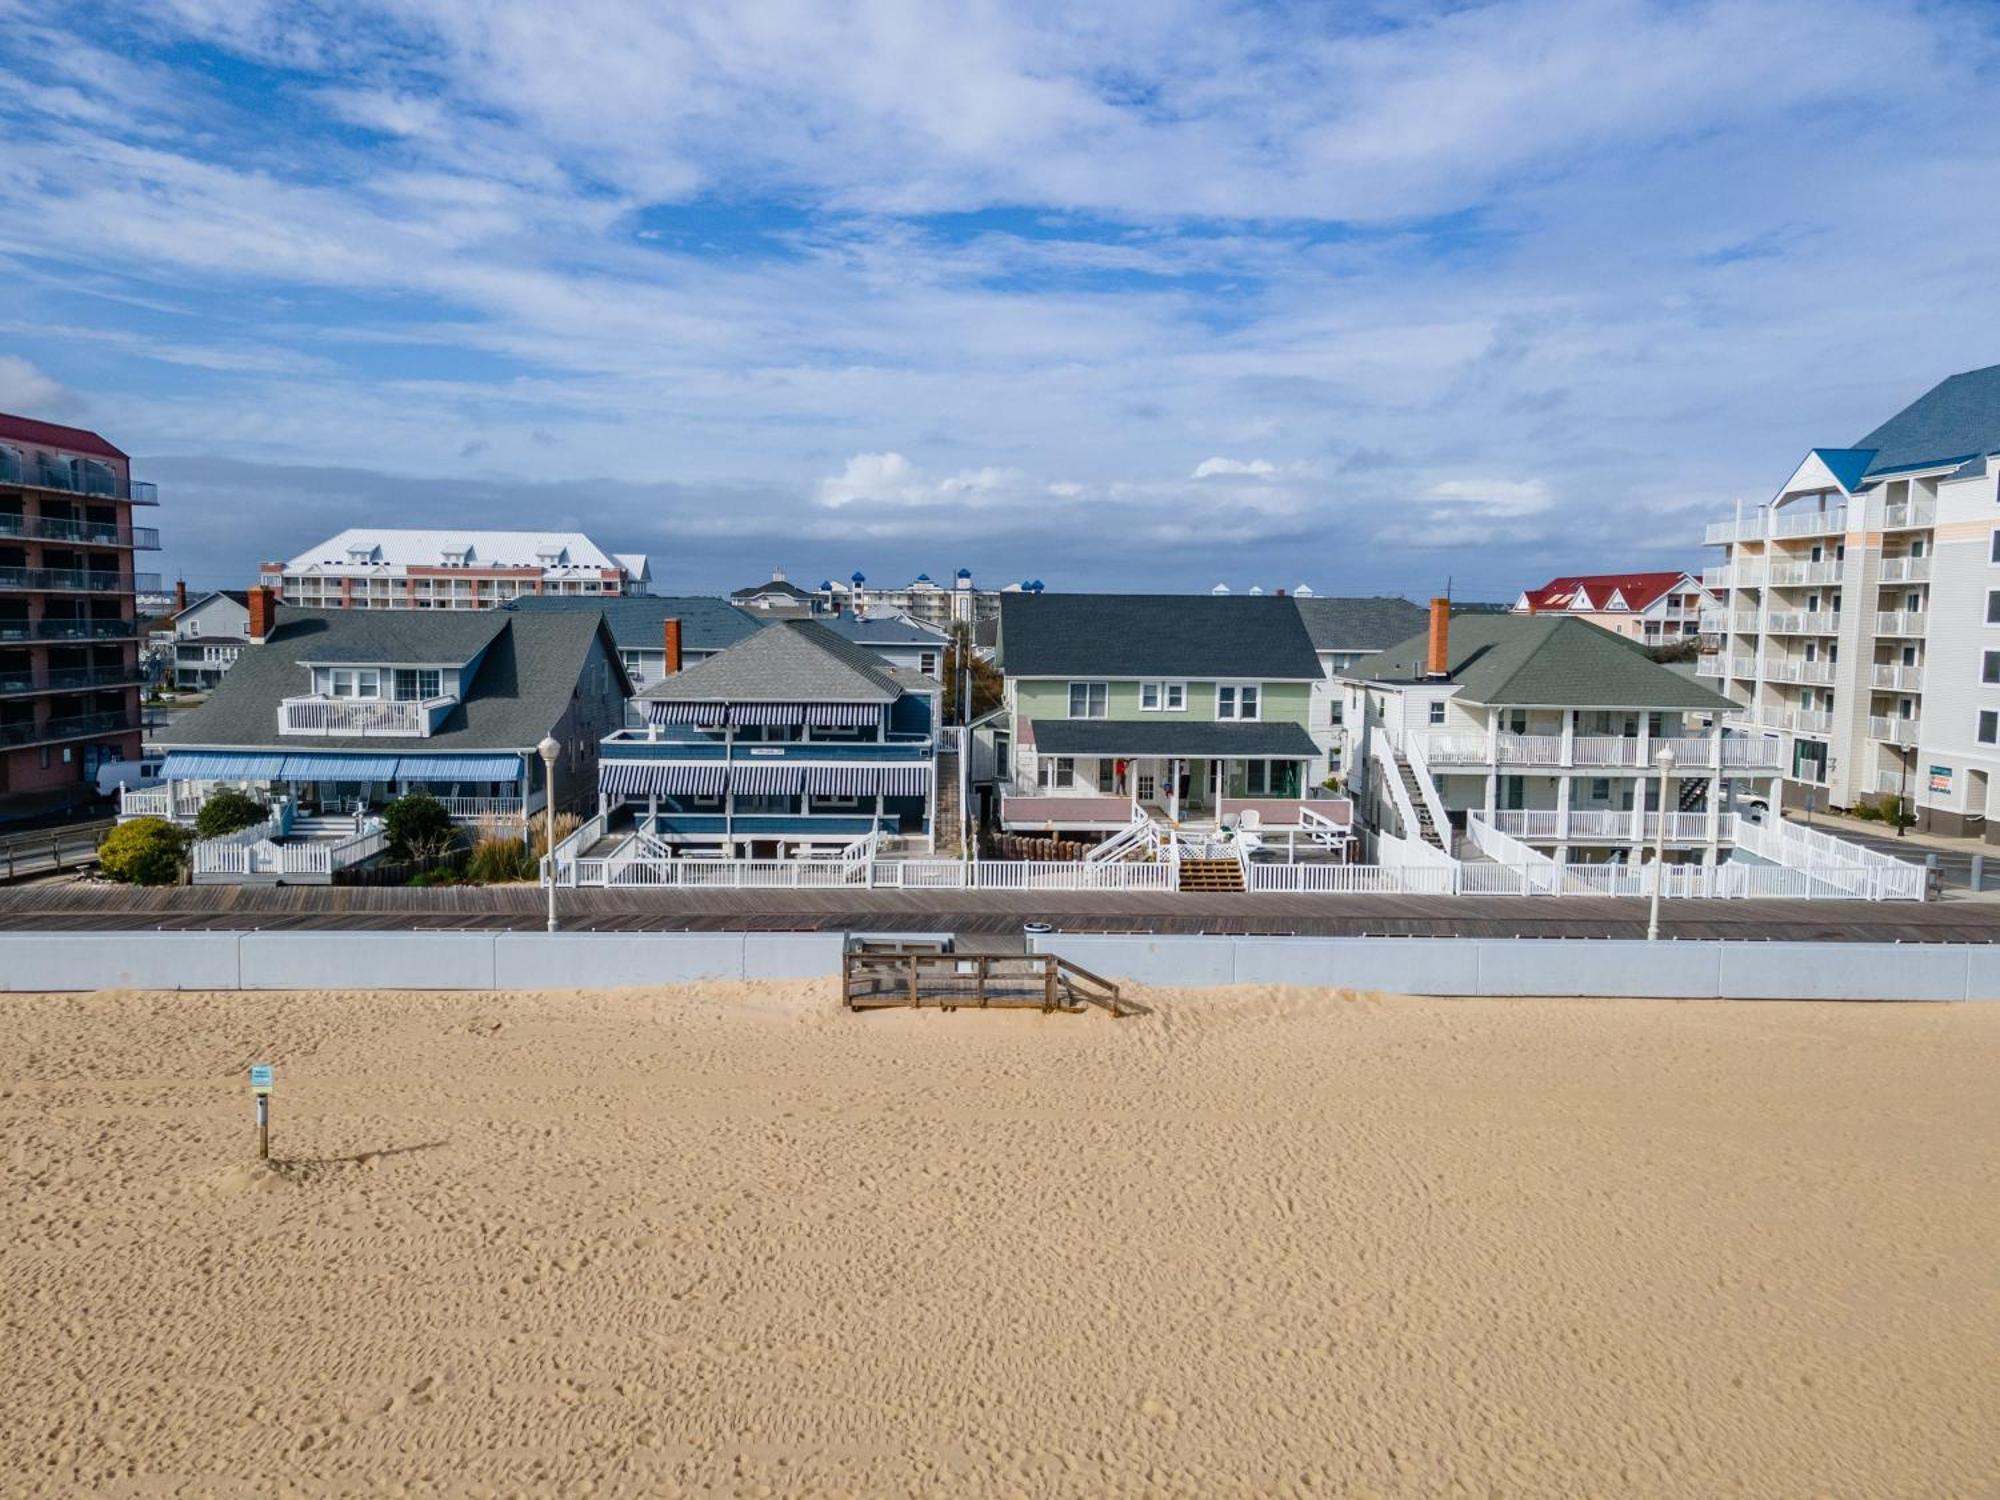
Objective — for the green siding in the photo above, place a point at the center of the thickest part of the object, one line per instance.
(1282, 701)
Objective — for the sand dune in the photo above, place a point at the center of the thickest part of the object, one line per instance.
(738, 1241)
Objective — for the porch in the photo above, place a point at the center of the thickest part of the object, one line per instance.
(472, 788)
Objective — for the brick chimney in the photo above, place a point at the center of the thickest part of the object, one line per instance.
(263, 613)
(673, 645)
(1437, 662)
(180, 595)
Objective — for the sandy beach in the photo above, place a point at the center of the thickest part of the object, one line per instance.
(737, 1241)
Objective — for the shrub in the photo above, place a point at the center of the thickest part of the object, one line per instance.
(444, 876)
(418, 827)
(1867, 811)
(229, 811)
(566, 824)
(498, 858)
(145, 851)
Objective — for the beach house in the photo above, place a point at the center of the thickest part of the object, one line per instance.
(658, 634)
(333, 714)
(792, 742)
(1188, 711)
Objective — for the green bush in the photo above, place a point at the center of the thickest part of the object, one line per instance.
(497, 859)
(145, 851)
(444, 876)
(229, 811)
(418, 827)
(1867, 811)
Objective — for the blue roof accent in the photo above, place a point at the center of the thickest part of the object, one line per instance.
(859, 576)
(340, 766)
(459, 768)
(964, 573)
(1955, 420)
(220, 765)
(1846, 464)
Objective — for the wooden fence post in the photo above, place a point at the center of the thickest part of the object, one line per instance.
(914, 1000)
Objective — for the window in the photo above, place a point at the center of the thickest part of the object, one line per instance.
(194, 626)
(1088, 700)
(1058, 771)
(1913, 602)
(1437, 711)
(354, 682)
(1993, 606)
(1169, 697)
(1994, 554)
(927, 663)
(421, 683)
(1989, 726)
(1989, 667)
(1236, 700)
(1600, 789)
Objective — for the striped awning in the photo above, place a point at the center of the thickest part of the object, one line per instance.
(766, 781)
(842, 715)
(866, 781)
(654, 778)
(715, 715)
(459, 768)
(340, 768)
(221, 765)
(703, 715)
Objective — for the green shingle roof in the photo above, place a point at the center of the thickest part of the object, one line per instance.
(1542, 661)
(518, 693)
(1146, 635)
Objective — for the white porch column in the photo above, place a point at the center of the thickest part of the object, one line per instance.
(1564, 795)
(1492, 796)
(1569, 738)
(1493, 736)
(1173, 791)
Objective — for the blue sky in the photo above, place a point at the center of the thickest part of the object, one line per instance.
(1365, 296)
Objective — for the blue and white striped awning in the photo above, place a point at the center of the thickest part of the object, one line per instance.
(866, 781)
(703, 715)
(653, 778)
(766, 781)
(715, 715)
(459, 768)
(905, 781)
(221, 765)
(340, 768)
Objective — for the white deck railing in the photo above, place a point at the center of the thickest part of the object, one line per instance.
(365, 718)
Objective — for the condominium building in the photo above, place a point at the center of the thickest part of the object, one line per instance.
(1860, 612)
(69, 639)
(1655, 609)
(372, 568)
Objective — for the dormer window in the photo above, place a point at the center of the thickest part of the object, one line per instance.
(361, 555)
(551, 557)
(416, 684)
(354, 682)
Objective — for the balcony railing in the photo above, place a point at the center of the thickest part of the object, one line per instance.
(1721, 532)
(70, 679)
(1693, 752)
(1798, 670)
(1793, 574)
(1802, 622)
(76, 727)
(1900, 622)
(363, 718)
(1801, 720)
(66, 630)
(85, 533)
(1894, 731)
(1896, 679)
(77, 581)
(1909, 513)
(1809, 522)
(1614, 825)
(1905, 570)
(75, 477)
(1709, 666)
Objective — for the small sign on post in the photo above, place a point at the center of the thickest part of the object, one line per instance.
(260, 1085)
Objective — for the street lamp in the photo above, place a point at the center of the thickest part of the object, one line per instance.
(549, 750)
(1665, 763)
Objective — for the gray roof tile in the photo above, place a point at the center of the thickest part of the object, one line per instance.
(1142, 635)
(787, 661)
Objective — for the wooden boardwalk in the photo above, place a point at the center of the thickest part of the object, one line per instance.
(989, 920)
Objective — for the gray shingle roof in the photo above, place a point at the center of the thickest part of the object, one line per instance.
(1543, 661)
(1143, 635)
(638, 621)
(1358, 624)
(1955, 419)
(787, 661)
(430, 637)
(1285, 740)
(772, 586)
(518, 694)
(882, 630)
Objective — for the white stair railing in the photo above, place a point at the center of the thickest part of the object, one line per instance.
(1427, 786)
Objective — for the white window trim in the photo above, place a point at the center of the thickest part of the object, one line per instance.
(1977, 737)
(1069, 698)
(1236, 714)
(1165, 688)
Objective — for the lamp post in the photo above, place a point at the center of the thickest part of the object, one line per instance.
(1664, 761)
(549, 750)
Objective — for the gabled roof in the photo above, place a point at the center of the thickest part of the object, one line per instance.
(883, 630)
(1542, 661)
(520, 691)
(1361, 624)
(427, 548)
(51, 435)
(638, 621)
(1145, 635)
(1848, 465)
(787, 661)
(1954, 420)
(410, 637)
(771, 586)
(1602, 591)
(240, 597)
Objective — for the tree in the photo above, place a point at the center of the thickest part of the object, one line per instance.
(418, 827)
(145, 851)
(229, 811)
(988, 686)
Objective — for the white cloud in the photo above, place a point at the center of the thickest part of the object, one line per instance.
(1497, 497)
(25, 389)
(1256, 468)
(891, 479)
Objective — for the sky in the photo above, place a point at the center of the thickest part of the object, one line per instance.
(1375, 297)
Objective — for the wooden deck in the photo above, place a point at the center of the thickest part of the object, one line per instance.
(985, 920)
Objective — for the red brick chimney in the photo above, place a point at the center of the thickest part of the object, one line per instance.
(263, 612)
(1438, 661)
(180, 595)
(673, 644)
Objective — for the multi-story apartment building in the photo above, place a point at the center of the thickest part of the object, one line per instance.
(1860, 612)
(372, 568)
(69, 641)
(1655, 609)
(922, 599)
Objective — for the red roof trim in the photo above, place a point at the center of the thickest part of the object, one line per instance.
(1639, 590)
(50, 435)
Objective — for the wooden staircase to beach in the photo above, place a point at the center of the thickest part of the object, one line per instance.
(1202, 874)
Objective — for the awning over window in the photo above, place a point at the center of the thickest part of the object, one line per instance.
(702, 715)
(767, 781)
(221, 765)
(652, 778)
(866, 781)
(340, 768)
(715, 715)
(459, 768)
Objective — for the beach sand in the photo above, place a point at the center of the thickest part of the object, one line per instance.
(735, 1240)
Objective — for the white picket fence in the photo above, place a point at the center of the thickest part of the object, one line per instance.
(262, 855)
(881, 874)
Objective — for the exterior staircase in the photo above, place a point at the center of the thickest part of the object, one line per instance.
(1426, 829)
(1224, 873)
(1694, 795)
(946, 807)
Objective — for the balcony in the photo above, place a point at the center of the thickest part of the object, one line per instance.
(84, 533)
(1909, 513)
(1595, 752)
(76, 581)
(1802, 622)
(1905, 570)
(1720, 533)
(1810, 522)
(1900, 622)
(1801, 720)
(67, 630)
(1894, 731)
(75, 477)
(1608, 825)
(1795, 574)
(363, 718)
(1799, 670)
(1896, 679)
(80, 726)
(69, 680)
(1708, 666)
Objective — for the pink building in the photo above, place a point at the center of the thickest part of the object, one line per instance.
(372, 568)
(1658, 609)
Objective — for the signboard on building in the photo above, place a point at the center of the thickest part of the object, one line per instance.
(1941, 780)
